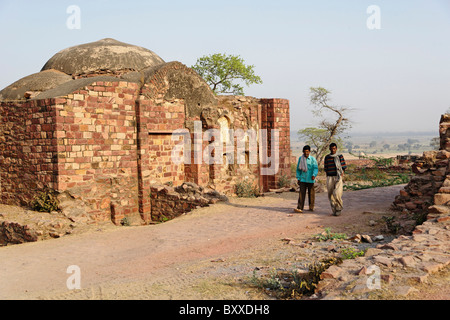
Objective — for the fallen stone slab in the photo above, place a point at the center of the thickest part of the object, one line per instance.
(408, 261)
(419, 278)
(405, 290)
(440, 209)
(431, 267)
(388, 262)
(332, 272)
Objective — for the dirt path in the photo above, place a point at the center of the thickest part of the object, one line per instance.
(202, 255)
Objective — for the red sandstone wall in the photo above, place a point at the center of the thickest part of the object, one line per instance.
(275, 115)
(240, 113)
(28, 161)
(158, 119)
(96, 131)
(108, 143)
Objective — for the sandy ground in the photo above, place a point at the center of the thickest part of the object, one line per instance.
(206, 254)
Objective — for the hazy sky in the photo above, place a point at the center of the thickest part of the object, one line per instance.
(397, 78)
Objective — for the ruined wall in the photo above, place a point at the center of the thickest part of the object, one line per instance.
(242, 116)
(109, 142)
(428, 192)
(275, 115)
(28, 150)
(97, 153)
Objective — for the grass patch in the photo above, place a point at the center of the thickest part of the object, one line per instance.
(328, 235)
(351, 253)
(373, 177)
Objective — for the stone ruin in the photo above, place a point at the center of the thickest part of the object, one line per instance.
(95, 125)
(428, 192)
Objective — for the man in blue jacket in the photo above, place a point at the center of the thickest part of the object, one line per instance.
(307, 171)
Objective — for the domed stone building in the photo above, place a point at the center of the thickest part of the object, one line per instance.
(97, 124)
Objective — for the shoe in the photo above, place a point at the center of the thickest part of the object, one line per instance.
(311, 209)
(298, 210)
(337, 213)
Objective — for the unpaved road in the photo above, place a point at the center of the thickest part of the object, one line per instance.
(187, 258)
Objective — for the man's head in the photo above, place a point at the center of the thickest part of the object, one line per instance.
(333, 148)
(306, 151)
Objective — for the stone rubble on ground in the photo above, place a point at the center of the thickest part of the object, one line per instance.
(408, 258)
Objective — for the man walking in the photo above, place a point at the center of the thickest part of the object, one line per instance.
(307, 170)
(335, 166)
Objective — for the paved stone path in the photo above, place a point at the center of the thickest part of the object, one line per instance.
(164, 261)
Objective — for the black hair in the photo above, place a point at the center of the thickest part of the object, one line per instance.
(306, 148)
(333, 145)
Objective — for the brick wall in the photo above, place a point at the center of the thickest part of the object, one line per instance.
(96, 134)
(108, 143)
(275, 115)
(28, 157)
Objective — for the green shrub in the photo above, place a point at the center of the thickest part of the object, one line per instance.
(246, 189)
(284, 181)
(45, 201)
(351, 253)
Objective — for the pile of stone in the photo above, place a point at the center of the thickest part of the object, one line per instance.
(430, 186)
(19, 225)
(394, 269)
(170, 202)
(429, 190)
(407, 259)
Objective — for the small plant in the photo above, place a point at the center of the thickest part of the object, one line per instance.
(294, 285)
(125, 222)
(420, 217)
(284, 181)
(246, 189)
(391, 225)
(351, 253)
(45, 201)
(328, 235)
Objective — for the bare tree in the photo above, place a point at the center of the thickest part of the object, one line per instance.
(334, 122)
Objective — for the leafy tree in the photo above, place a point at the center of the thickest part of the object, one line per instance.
(222, 71)
(412, 141)
(331, 126)
(435, 143)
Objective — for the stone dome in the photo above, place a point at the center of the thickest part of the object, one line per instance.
(35, 83)
(105, 54)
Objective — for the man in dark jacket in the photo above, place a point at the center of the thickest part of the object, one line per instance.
(335, 167)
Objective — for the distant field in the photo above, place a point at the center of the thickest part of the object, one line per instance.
(384, 145)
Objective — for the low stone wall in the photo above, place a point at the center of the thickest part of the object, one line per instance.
(169, 202)
(19, 225)
(15, 233)
(429, 190)
(429, 186)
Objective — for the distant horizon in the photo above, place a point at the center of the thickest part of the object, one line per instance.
(386, 60)
(389, 133)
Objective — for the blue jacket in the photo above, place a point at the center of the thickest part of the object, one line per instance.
(313, 170)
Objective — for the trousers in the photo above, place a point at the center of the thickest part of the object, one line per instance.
(304, 186)
(335, 189)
